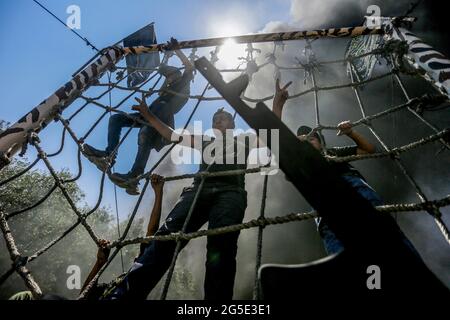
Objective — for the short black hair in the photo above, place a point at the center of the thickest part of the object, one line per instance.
(169, 71)
(305, 130)
(221, 110)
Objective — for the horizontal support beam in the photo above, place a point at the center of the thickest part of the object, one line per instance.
(262, 37)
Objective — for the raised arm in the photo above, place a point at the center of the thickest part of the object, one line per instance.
(102, 258)
(173, 45)
(281, 95)
(157, 183)
(280, 98)
(164, 130)
(364, 146)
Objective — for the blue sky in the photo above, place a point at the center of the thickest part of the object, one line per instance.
(39, 55)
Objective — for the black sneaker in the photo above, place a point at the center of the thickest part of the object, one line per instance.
(126, 181)
(98, 157)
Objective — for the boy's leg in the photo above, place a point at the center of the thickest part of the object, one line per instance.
(149, 138)
(149, 268)
(146, 138)
(331, 242)
(100, 157)
(116, 123)
(367, 192)
(228, 209)
(364, 189)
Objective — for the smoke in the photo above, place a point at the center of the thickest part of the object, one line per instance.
(313, 14)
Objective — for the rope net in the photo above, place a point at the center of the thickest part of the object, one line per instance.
(381, 52)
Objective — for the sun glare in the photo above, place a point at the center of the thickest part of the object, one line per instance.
(230, 50)
(229, 53)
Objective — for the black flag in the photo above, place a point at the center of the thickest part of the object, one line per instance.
(143, 37)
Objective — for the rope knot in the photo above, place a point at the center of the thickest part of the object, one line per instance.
(366, 122)
(32, 138)
(111, 67)
(120, 75)
(261, 221)
(20, 262)
(433, 209)
(395, 154)
(178, 236)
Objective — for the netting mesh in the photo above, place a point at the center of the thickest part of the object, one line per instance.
(96, 97)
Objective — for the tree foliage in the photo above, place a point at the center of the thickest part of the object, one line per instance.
(35, 228)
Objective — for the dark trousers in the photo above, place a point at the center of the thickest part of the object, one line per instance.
(331, 242)
(148, 137)
(217, 206)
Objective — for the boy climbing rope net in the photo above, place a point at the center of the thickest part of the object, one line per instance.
(165, 107)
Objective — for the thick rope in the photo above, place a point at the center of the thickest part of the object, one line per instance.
(394, 152)
(16, 258)
(435, 213)
(256, 289)
(178, 236)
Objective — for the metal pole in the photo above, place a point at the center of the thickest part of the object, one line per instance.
(12, 139)
(263, 37)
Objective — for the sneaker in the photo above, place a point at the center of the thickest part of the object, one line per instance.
(126, 181)
(98, 157)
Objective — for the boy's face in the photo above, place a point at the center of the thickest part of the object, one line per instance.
(173, 77)
(222, 122)
(170, 79)
(312, 140)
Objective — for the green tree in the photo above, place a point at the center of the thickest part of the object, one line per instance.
(35, 228)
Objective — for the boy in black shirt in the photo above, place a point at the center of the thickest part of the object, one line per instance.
(346, 170)
(221, 202)
(172, 98)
